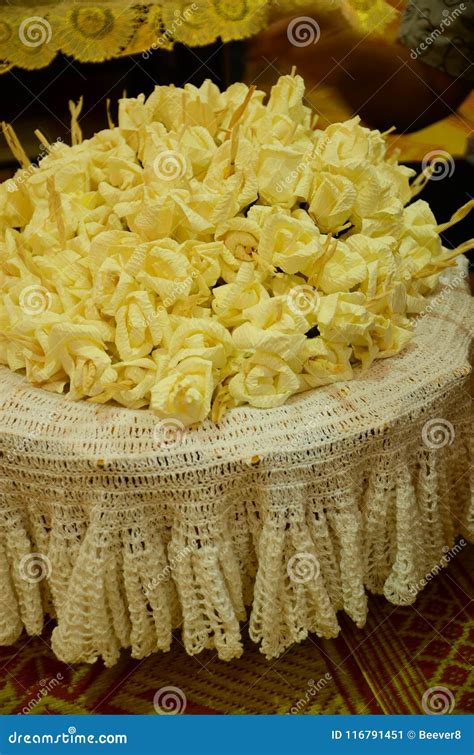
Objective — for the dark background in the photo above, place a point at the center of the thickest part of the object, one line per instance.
(39, 99)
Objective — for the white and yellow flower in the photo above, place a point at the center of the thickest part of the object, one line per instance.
(232, 299)
(79, 350)
(326, 362)
(184, 393)
(210, 251)
(264, 380)
(205, 338)
(137, 330)
(331, 201)
(289, 244)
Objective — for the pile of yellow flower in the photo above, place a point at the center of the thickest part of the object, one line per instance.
(211, 251)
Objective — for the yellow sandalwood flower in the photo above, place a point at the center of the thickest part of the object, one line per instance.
(167, 271)
(112, 284)
(71, 173)
(286, 97)
(191, 105)
(17, 206)
(207, 261)
(264, 380)
(116, 245)
(131, 118)
(377, 208)
(289, 244)
(240, 236)
(259, 213)
(332, 201)
(249, 337)
(384, 340)
(344, 269)
(280, 128)
(232, 99)
(79, 350)
(275, 164)
(185, 393)
(419, 241)
(384, 222)
(199, 147)
(213, 249)
(201, 337)
(150, 219)
(398, 176)
(232, 299)
(343, 318)
(326, 362)
(134, 382)
(279, 313)
(377, 255)
(349, 146)
(390, 337)
(137, 329)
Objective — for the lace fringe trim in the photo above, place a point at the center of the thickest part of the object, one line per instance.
(116, 575)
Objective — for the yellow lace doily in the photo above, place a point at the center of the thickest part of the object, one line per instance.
(34, 31)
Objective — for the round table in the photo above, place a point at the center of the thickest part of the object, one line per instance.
(278, 517)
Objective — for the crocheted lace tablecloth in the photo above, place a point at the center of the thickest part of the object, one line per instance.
(279, 517)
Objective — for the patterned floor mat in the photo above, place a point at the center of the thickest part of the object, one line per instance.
(400, 658)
